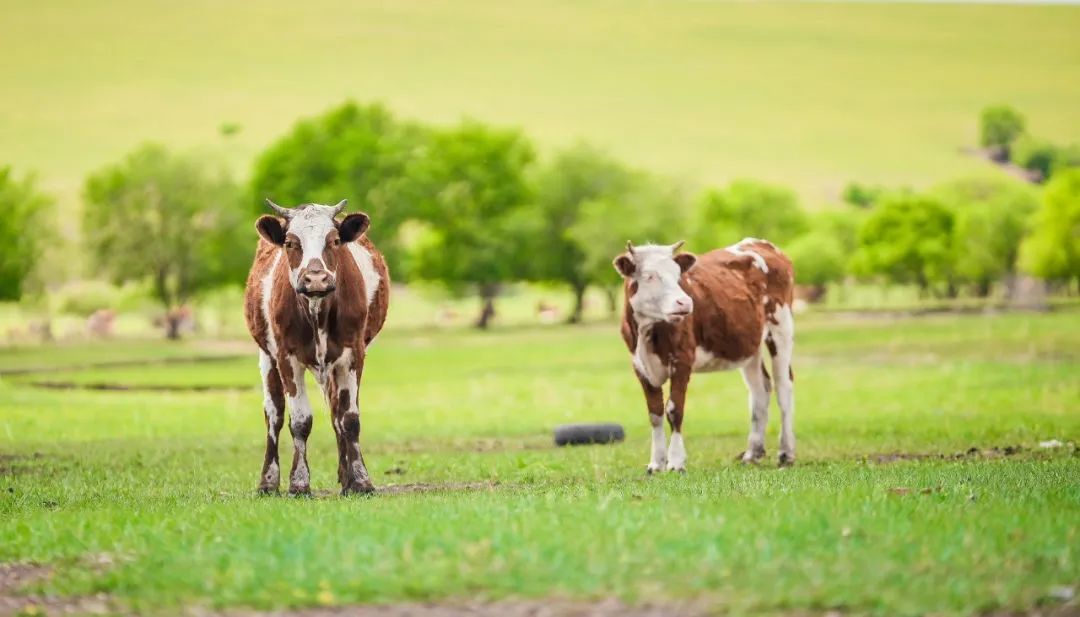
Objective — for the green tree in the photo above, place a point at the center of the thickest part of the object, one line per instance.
(574, 178)
(652, 210)
(821, 255)
(747, 208)
(472, 190)
(999, 126)
(990, 221)
(172, 220)
(355, 152)
(24, 230)
(907, 239)
(1052, 251)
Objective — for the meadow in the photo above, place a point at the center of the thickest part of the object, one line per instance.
(811, 95)
(922, 486)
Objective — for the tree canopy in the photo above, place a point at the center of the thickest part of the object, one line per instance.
(24, 228)
(1052, 251)
(907, 239)
(747, 208)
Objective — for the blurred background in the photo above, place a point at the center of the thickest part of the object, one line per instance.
(909, 157)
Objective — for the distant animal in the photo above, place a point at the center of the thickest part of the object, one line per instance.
(687, 314)
(316, 297)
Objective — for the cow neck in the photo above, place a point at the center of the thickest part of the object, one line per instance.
(316, 312)
(658, 337)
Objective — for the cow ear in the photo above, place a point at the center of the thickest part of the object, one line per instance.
(270, 228)
(685, 261)
(624, 264)
(353, 226)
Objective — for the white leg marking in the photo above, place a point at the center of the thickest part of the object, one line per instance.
(658, 459)
(783, 334)
(759, 409)
(299, 417)
(676, 453)
(363, 260)
(265, 365)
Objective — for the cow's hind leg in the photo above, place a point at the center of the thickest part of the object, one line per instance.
(782, 346)
(274, 414)
(351, 469)
(300, 419)
(757, 382)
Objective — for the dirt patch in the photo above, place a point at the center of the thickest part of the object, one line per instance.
(417, 487)
(970, 453)
(509, 608)
(14, 577)
(119, 387)
(121, 363)
(18, 464)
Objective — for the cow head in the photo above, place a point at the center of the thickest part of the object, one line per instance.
(654, 272)
(311, 237)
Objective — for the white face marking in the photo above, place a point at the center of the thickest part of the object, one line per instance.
(738, 249)
(310, 225)
(659, 296)
(364, 262)
(267, 285)
(676, 453)
(706, 362)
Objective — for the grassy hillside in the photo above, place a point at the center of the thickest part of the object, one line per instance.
(808, 94)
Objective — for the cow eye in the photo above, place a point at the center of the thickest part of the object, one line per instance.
(337, 242)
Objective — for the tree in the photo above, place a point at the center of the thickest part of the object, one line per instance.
(1052, 251)
(999, 126)
(990, 220)
(820, 256)
(574, 178)
(168, 219)
(747, 208)
(907, 239)
(355, 152)
(24, 230)
(651, 210)
(471, 188)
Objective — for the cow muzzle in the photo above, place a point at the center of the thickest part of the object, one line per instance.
(316, 284)
(680, 309)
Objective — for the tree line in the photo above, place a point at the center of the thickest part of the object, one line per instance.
(475, 208)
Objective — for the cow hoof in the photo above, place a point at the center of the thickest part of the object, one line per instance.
(299, 491)
(654, 468)
(676, 469)
(268, 491)
(358, 488)
(786, 460)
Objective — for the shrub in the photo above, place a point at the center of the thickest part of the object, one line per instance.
(999, 126)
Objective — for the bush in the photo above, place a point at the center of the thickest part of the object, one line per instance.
(747, 208)
(907, 239)
(24, 229)
(1000, 125)
(1043, 158)
(1052, 251)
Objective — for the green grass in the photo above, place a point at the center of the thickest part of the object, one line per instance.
(813, 95)
(164, 482)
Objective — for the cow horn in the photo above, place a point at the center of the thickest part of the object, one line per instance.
(630, 247)
(285, 212)
(677, 246)
(339, 207)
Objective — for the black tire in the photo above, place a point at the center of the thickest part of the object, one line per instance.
(582, 434)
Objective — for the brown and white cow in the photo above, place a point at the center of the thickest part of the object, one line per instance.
(690, 314)
(316, 296)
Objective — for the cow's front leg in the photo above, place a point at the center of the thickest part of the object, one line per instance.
(299, 424)
(274, 415)
(654, 400)
(354, 474)
(676, 454)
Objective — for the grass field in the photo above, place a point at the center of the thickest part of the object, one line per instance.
(887, 512)
(813, 94)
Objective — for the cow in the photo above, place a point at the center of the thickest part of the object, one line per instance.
(687, 314)
(316, 297)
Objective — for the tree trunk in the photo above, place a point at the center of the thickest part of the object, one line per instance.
(172, 325)
(579, 304)
(487, 313)
(612, 300)
(983, 288)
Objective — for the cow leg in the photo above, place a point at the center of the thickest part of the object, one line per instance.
(274, 414)
(676, 453)
(783, 337)
(354, 475)
(654, 400)
(758, 384)
(300, 419)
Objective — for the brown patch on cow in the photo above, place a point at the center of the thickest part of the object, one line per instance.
(768, 379)
(770, 344)
(294, 251)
